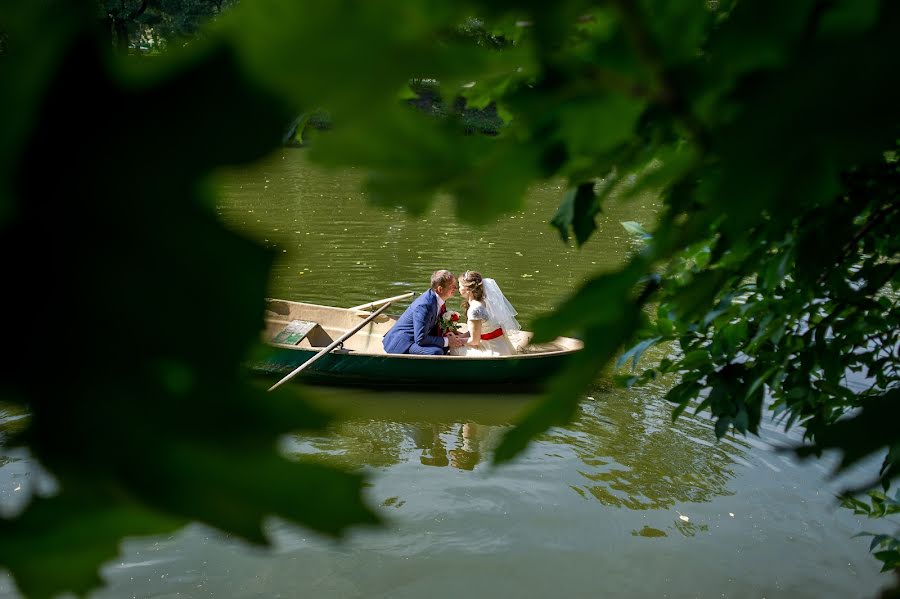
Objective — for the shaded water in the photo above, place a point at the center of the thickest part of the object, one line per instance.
(622, 502)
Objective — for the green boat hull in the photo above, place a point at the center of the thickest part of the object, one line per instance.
(403, 371)
(295, 332)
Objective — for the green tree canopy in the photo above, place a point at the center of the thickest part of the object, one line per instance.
(155, 24)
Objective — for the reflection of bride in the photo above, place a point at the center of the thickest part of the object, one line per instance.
(467, 455)
(470, 443)
(490, 317)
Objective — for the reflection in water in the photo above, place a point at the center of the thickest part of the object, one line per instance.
(649, 532)
(468, 443)
(631, 454)
(21, 477)
(636, 458)
(428, 439)
(394, 427)
(380, 444)
(13, 420)
(689, 529)
(467, 453)
(354, 443)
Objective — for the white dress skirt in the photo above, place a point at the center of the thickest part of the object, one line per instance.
(498, 346)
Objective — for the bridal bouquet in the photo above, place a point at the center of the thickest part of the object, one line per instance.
(450, 321)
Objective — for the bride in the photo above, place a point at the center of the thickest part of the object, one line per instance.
(491, 318)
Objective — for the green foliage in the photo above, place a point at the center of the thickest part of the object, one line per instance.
(138, 405)
(300, 130)
(577, 211)
(154, 25)
(772, 268)
(879, 506)
(425, 95)
(885, 547)
(69, 535)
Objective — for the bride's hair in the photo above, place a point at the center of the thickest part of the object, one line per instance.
(471, 280)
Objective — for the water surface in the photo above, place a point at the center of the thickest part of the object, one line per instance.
(622, 502)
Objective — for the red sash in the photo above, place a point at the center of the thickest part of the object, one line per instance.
(492, 335)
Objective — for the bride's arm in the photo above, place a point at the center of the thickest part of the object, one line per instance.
(474, 333)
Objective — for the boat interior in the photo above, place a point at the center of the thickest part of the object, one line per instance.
(310, 326)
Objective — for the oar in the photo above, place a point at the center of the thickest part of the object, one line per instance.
(333, 345)
(382, 301)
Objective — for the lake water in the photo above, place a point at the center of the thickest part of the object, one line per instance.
(621, 503)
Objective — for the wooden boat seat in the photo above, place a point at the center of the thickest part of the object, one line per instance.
(332, 324)
(294, 332)
(300, 333)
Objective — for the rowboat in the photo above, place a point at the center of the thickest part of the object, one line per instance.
(296, 332)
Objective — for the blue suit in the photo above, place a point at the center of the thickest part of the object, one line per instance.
(417, 331)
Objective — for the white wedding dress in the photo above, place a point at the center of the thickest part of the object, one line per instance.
(497, 346)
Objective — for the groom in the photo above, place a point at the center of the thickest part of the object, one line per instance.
(417, 330)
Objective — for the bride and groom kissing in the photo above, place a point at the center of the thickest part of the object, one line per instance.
(490, 320)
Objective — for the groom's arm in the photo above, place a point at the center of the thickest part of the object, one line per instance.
(422, 327)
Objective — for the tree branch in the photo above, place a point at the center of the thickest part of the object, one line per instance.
(875, 219)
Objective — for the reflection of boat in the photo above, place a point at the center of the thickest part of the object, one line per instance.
(297, 331)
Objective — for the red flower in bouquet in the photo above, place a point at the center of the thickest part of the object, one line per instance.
(450, 321)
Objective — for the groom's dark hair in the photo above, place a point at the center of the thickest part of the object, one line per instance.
(441, 278)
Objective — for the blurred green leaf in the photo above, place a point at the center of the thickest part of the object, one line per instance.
(634, 354)
(858, 436)
(603, 300)
(487, 177)
(678, 29)
(849, 16)
(58, 543)
(26, 68)
(561, 400)
(596, 125)
(577, 211)
(174, 302)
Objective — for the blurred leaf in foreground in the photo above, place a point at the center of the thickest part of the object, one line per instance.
(130, 339)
